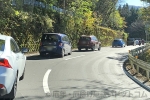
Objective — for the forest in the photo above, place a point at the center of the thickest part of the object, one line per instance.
(26, 20)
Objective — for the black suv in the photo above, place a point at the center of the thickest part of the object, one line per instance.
(88, 42)
(55, 43)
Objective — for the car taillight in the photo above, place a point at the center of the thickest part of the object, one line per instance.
(5, 63)
(1, 86)
(91, 42)
(60, 44)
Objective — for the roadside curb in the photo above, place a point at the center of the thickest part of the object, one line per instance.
(31, 54)
(134, 78)
(37, 53)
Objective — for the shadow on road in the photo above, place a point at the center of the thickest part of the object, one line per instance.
(119, 57)
(92, 90)
(83, 51)
(38, 57)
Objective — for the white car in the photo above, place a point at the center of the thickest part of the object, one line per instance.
(12, 66)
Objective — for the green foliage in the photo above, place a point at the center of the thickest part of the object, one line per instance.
(146, 56)
(26, 22)
(116, 21)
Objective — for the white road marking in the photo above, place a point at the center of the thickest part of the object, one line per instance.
(45, 82)
(74, 57)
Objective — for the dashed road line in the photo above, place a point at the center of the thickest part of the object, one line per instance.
(45, 82)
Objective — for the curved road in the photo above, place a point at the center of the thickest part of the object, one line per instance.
(85, 75)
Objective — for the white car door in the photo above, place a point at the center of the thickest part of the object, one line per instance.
(18, 57)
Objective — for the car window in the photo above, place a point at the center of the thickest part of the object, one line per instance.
(116, 40)
(130, 39)
(85, 39)
(50, 37)
(14, 46)
(96, 39)
(2, 45)
(65, 38)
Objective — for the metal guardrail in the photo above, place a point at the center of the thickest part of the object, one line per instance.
(138, 64)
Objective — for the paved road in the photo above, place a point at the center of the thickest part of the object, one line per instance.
(85, 75)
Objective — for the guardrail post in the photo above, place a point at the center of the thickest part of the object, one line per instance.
(137, 68)
(147, 74)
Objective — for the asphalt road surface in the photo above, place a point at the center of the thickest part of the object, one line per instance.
(85, 75)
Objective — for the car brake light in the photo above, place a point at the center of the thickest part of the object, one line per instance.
(60, 44)
(91, 42)
(5, 63)
(1, 86)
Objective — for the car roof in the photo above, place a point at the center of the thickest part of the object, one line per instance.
(4, 37)
(61, 34)
(117, 39)
(87, 35)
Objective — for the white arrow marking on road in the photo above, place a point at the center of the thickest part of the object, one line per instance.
(75, 57)
(45, 82)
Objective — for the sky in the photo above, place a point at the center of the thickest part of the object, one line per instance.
(133, 2)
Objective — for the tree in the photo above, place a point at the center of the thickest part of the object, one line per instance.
(104, 8)
(116, 22)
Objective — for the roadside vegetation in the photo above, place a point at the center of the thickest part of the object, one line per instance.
(26, 21)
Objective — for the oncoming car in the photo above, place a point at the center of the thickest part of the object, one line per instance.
(118, 42)
(12, 66)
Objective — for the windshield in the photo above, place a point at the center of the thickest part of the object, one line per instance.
(85, 39)
(50, 38)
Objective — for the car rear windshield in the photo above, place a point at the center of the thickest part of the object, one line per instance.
(2, 45)
(130, 39)
(50, 37)
(116, 40)
(85, 39)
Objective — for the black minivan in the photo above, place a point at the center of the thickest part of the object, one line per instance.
(55, 43)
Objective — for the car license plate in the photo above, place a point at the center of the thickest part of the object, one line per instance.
(49, 47)
(83, 42)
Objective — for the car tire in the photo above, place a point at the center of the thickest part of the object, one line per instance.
(62, 54)
(42, 54)
(93, 48)
(22, 77)
(13, 91)
(99, 48)
(70, 52)
(79, 49)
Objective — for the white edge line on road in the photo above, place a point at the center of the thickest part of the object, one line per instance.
(45, 82)
(74, 57)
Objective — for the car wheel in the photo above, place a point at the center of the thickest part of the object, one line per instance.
(13, 91)
(70, 52)
(99, 48)
(86, 49)
(42, 54)
(62, 54)
(79, 49)
(93, 48)
(22, 77)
